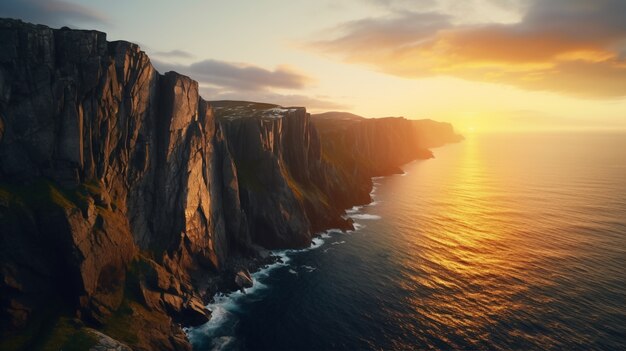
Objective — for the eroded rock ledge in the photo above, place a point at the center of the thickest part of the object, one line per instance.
(125, 197)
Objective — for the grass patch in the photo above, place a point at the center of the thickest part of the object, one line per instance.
(123, 324)
(120, 324)
(41, 193)
(51, 329)
(67, 335)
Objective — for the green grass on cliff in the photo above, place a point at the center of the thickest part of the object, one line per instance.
(68, 335)
(43, 194)
(120, 325)
(51, 329)
(52, 326)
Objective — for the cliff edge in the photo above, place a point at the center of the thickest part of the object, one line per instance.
(127, 200)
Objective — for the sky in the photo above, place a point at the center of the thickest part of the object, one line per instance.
(483, 65)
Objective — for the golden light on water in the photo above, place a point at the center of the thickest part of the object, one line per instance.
(468, 247)
(500, 224)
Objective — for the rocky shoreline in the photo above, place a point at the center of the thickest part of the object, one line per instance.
(127, 200)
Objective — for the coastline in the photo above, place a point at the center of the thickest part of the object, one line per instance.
(222, 302)
(149, 218)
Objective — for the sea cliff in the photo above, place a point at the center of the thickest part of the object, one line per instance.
(127, 200)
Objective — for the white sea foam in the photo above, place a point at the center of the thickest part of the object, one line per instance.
(309, 268)
(316, 242)
(224, 305)
(357, 227)
(222, 342)
(373, 190)
(354, 209)
(365, 216)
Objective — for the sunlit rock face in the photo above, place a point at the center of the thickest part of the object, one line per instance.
(124, 195)
(105, 164)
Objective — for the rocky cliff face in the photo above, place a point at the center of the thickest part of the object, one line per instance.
(107, 170)
(379, 146)
(124, 196)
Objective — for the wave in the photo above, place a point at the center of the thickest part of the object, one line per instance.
(354, 209)
(357, 227)
(309, 268)
(223, 317)
(373, 192)
(365, 216)
(223, 305)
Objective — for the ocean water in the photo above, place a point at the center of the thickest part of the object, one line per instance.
(501, 242)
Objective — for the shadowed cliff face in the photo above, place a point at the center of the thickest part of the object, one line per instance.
(377, 147)
(123, 194)
(287, 190)
(124, 157)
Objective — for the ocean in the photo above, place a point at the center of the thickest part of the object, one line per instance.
(502, 242)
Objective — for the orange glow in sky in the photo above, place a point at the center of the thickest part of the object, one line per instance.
(483, 65)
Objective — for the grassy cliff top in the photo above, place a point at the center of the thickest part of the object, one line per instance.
(229, 110)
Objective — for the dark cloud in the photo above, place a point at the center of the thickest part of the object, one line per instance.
(173, 54)
(569, 46)
(54, 13)
(238, 76)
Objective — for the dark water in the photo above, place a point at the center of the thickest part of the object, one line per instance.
(501, 242)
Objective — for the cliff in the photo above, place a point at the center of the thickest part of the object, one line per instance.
(368, 147)
(126, 199)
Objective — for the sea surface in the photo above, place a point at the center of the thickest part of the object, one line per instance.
(502, 242)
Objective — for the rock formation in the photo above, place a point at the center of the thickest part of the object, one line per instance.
(124, 196)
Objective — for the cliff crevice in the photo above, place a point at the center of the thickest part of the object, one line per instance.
(126, 199)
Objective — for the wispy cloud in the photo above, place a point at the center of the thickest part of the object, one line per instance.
(173, 54)
(222, 80)
(239, 76)
(312, 103)
(569, 46)
(55, 13)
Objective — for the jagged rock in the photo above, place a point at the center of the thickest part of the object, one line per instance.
(106, 343)
(193, 312)
(243, 279)
(122, 190)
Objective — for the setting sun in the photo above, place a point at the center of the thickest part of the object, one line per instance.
(312, 175)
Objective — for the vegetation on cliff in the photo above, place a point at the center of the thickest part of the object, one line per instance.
(126, 199)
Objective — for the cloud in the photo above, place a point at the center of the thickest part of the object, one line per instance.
(574, 47)
(221, 80)
(315, 103)
(173, 54)
(54, 13)
(239, 76)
